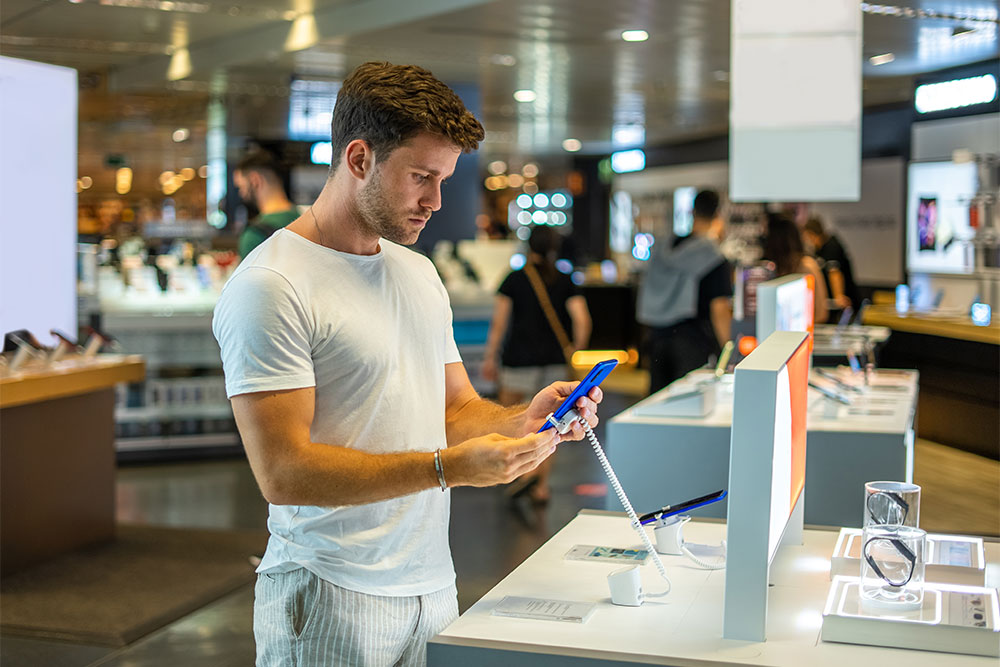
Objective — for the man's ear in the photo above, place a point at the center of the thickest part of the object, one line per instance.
(359, 158)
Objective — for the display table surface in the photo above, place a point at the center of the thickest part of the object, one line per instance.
(57, 457)
(683, 629)
(662, 460)
(70, 377)
(959, 327)
(959, 366)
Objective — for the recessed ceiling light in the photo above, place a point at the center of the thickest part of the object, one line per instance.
(524, 95)
(635, 35)
(882, 59)
(572, 145)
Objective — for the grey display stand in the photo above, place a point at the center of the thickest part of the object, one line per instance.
(661, 460)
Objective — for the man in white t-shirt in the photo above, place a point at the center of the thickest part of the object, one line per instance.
(350, 395)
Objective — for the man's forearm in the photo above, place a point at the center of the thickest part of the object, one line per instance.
(330, 475)
(480, 416)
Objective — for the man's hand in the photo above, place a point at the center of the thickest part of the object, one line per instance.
(548, 399)
(496, 459)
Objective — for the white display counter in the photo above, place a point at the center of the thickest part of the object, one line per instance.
(684, 628)
(662, 460)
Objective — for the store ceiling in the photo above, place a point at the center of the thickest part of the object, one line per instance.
(587, 80)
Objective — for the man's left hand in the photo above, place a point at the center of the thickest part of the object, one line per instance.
(548, 399)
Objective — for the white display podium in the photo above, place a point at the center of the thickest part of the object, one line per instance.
(684, 628)
(661, 460)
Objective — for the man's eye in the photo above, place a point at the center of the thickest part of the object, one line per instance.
(420, 178)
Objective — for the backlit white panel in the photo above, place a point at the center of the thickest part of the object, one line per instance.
(773, 17)
(795, 101)
(38, 121)
(760, 65)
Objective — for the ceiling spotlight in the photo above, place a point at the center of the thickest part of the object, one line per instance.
(524, 95)
(635, 35)
(572, 145)
(181, 134)
(882, 59)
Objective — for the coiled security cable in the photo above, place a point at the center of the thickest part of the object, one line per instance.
(565, 423)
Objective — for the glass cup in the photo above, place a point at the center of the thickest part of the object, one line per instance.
(892, 503)
(892, 566)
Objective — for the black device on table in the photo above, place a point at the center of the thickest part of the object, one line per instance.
(671, 510)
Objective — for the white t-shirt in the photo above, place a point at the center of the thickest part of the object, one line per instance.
(372, 334)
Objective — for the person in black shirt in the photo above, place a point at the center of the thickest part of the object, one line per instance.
(835, 263)
(685, 298)
(532, 355)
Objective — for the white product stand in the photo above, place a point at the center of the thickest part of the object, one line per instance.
(684, 628)
(951, 559)
(952, 619)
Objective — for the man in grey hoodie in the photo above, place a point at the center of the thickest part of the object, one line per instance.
(685, 297)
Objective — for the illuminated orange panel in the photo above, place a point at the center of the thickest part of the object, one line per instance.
(798, 379)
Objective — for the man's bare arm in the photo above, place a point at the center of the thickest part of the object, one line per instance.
(720, 312)
(293, 470)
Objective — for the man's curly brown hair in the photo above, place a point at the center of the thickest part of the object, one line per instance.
(385, 105)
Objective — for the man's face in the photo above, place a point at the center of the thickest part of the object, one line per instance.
(405, 188)
(245, 186)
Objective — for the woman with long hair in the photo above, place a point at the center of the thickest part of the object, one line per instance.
(784, 248)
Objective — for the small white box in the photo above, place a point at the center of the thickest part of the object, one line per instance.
(953, 619)
(951, 559)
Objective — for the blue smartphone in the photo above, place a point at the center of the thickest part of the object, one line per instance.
(671, 510)
(594, 378)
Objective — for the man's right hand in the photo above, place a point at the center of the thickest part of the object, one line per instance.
(496, 459)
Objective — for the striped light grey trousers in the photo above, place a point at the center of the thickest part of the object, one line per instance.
(300, 620)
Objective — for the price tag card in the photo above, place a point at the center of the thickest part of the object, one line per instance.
(544, 610)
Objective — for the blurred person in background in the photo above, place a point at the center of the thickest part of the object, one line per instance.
(523, 350)
(784, 248)
(685, 297)
(834, 261)
(257, 179)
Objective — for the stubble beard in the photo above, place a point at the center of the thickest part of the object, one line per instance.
(377, 215)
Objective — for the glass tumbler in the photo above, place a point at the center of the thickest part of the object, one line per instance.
(892, 566)
(892, 503)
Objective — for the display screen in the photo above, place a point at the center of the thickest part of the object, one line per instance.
(784, 304)
(937, 217)
(684, 210)
(791, 311)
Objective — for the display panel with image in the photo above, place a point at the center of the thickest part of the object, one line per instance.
(937, 217)
(784, 304)
(684, 210)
